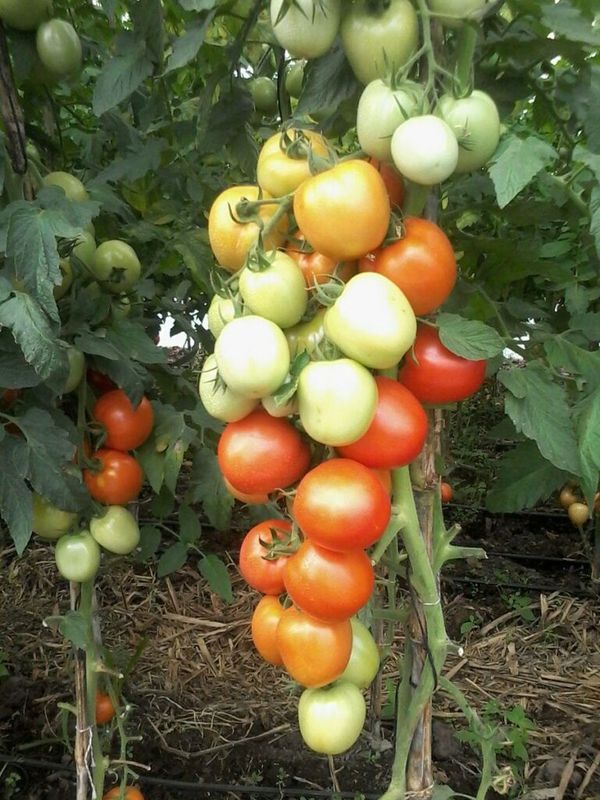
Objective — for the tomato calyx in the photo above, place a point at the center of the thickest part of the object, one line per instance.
(282, 543)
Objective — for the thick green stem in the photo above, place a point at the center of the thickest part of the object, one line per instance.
(415, 197)
(465, 50)
(596, 557)
(86, 608)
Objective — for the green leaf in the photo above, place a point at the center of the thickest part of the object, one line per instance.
(153, 464)
(128, 337)
(172, 559)
(328, 82)
(516, 162)
(595, 217)
(588, 434)
(150, 537)
(196, 253)
(566, 20)
(214, 571)
(75, 627)
(186, 47)
(148, 22)
(135, 164)
(564, 355)
(15, 496)
(230, 113)
(207, 487)
(190, 529)
(591, 160)
(14, 370)
(198, 5)
(120, 77)
(469, 338)
(524, 477)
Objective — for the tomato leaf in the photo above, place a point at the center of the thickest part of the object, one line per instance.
(172, 559)
(190, 529)
(15, 496)
(14, 370)
(198, 5)
(75, 627)
(121, 75)
(214, 571)
(185, 48)
(150, 537)
(469, 338)
(516, 162)
(136, 163)
(328, 81)
(207, 487)
(588, 434)
(565, 355)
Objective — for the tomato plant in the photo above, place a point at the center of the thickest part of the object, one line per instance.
(50, 522)
(105, 711)
(381, 110)
(425, 149)
(116, 530)
(263, 573)
(476, 125)
(118, 479)
(265, 621)
(283, 161)
(274, 289)
(306, 29)
(59, 48)
(126, 427)
(77, 556)
(217, 398)
(116, 265)
(316, 267)
(331, 718)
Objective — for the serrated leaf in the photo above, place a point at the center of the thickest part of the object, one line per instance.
(190, 529)
(230, 113)
(120, 77)
(128, 337)
(15, 496)
(516, 162)
(565, 355)
(150, 537)
(14, 370)
(566, 20)
(186, 47)
(207, 487)
(328, 81)
(588, 435)
(469, 338)
(153, 464)
(134, 164)
(172, 559)
(214, 571)
(524, 477)
(75, 627)
(148, 22)
(34, 335)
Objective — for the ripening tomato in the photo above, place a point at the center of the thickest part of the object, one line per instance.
(77, 556)
(118, 481)
(257, 499)
(265, 620)
(279, 410)
(131, 793)
(364, 658)
(275, 291)
(329, 585)
(380, 110)
(105, 711)
(437, 376)
(258, 570)
(567, 497)
(261, 453)
(217, 398)
(220, 311)
(306, 336)
(344, 212)
(425, 149)
(126, 427)
(384, 476)
(331, 718)
(50, 522)
(313, 652)
(579, 513)
(341, 505)
(398, 431)
(116, 530)
(316, 267)
(100, 382)
(446, 492)
(422, 264)
(392, 179)
(306, 29)
(283, 160)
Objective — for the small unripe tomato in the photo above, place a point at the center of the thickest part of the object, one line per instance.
(579, 513)
(447, 492)
(567, 497)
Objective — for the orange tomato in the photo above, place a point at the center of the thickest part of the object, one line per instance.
(392, 179)
(131, 793)
(105, 710)
(316, 267)
(447, 492)
(243, 497)
(384, 476)
(265, 621)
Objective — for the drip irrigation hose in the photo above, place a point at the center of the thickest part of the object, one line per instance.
(528, 587)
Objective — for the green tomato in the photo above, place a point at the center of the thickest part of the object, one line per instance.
(50, 522)
(71, 186)
(294, 78)
(377, 42)
(264, 94)
(218, 399)
(372, 321)
(277, 292)
(220, 311)
(252, 356)
(475, 122)
(85, 248)
(25, 15)
(116, 265)
(331, 718)
(380, 111)
(452, 13)
(59, 48)
(364, 657)
(336, 401)
(76, 369)
(116, 530)
(66, 271)
(425, 149)
(285, 410)
(77, 556)
(308, 28)
(306, 336)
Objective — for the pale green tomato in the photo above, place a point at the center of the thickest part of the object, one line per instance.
(278, 292)
(286, 410)
(71, 186)
(475, 123)
(59, 48)
(425, 149)
(25, 15)
(337, 401)
(50, 522)
(85, 248)
(377, 42)
(220, 311)
(77, 556)
(116, 264)
(308, 28)
(116, 530)
(380, 111)
(372, 321)
(306, 336)
(331, 718)
(218, 399)
(76, 369)
(294, 77)
(454, 12)
(364, 657)
(252, 356)
(63, 287)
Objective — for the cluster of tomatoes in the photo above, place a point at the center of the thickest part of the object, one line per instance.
(575, 505)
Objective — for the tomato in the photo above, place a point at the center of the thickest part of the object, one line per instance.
(264, 94)
(313, 652)
(25, 16)
(250, 499)
(105, 711)
(392, 179)
(398, 431)
(276, 292)
(345, 211)
(294, 78)
(283, 160)
(116, 530)
(308, 28)
(130, 793)
(218, 399)
(126, 427)
(377, 42)
(118, 481)
(567, 497)
(100, 382)
(316, 267)
(446, 492)
(286, 410)
(341, 505)
(85, 248)
(66, 271)
(77, 556)
(252, 355)
(261, 453)
(59, 48)
(331, 718)
(265, 620)
(71, 186)
(336, 401)
(231, 239)
(380, 110)
(384, 476)
(262, 573)
(306, 336)
(50, 522)
(579, 513)
(76, 368)
(437, 376)
(116, 266)
(328, 585)
(425, 149)
(220, 311)
(476, 125)
(453, 12)
(422, 264)
(371, 321)
(364, 661)
(8, 397)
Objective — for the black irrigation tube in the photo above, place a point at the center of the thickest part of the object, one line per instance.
(188, 786)
(572, 562)
(530, 587)
(561, 515)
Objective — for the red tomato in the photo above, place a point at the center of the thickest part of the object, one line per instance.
(447, 492)
(264, 574)
(384, 476)
(265, 621)
(422, 264)
(316, 267)
(397, 433)
(261, 453)
(131, 793)
(8, 397)
(392, 179)
(249, 499)
(105, 710)
(328, 585)
(118, 481)
(100, 382)
(126, 427)
(341, 505)
(313, 652)
(435, 375)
